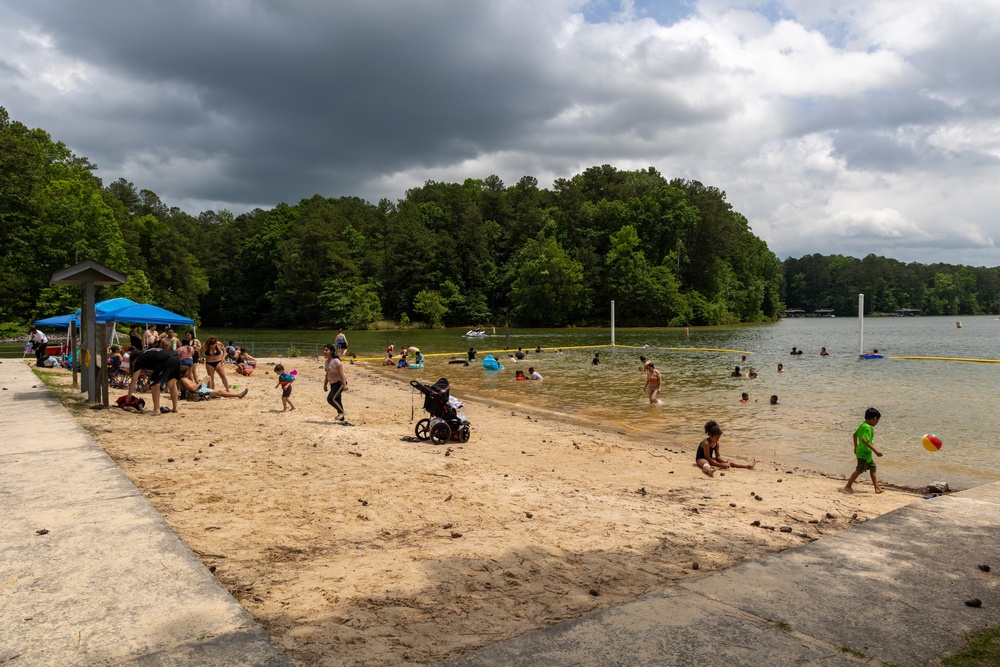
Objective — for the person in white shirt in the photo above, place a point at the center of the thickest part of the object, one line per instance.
(39, 342)
(533, 374)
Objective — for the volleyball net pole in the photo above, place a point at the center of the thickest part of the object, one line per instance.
(612, 323)
(861, 324)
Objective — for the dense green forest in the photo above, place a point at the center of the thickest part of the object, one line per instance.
(668, 252)
(834, 281)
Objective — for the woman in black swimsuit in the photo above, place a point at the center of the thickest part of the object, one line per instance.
(214, 354)
(135, 340)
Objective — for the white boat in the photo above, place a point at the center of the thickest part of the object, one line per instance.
(475, 333)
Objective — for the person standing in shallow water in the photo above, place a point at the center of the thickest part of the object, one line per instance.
(653, 380)
(341, 342)
(335, 381)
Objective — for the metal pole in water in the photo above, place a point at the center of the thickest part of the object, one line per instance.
(612, 323)
(861, 324)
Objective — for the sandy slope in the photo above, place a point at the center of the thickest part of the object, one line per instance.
(352, 546)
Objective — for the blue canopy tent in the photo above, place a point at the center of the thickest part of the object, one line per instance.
(61, 321)
(120, 310)
(144, 313)
(100, 308)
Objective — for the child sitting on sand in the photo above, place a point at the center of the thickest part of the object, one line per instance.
(245, 364)
(708, 457)
(285, 381)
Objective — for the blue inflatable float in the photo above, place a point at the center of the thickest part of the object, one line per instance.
(491, 364)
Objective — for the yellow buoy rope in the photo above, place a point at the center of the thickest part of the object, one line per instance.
(462, 353)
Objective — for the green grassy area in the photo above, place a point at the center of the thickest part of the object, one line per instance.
(982, 650)
(13, 351)
(53, 379)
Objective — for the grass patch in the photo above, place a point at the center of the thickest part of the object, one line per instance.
(64, 393)
(783, 626)
(982, 649)
(853, 651)
(50, 379)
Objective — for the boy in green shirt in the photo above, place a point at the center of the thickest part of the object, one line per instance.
(863, 449)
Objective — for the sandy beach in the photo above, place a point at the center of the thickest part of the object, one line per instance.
(352, 545)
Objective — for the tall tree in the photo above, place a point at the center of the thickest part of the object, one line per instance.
(548, 284)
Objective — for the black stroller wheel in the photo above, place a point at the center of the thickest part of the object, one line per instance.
(465, 433)
(440, 433)
(423, 429)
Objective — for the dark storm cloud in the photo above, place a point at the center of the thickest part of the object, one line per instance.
(293, 98)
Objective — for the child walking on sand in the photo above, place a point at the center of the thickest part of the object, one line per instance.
(708, 456)
(285, 381)
(864, 436)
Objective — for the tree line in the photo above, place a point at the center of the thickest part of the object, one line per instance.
(667, 251)
(834, 281)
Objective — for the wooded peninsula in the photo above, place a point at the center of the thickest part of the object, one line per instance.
(668, 252)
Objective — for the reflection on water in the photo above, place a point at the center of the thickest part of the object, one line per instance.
(821, 399)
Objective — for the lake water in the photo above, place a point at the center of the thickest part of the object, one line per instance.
(821, 399)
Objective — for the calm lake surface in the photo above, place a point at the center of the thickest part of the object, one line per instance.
(821, 399)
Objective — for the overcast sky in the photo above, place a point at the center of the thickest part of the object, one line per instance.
(849, 126)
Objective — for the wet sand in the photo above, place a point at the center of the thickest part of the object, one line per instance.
(352, 545)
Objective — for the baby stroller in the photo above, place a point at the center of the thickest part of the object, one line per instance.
(445, 424)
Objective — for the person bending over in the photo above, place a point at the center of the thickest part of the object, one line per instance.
(163, 365)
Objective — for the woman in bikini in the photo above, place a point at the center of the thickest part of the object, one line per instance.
(652, 382)
(214, 354)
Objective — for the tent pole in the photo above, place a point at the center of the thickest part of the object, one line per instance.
(91, 356)
(102, 368)
(73, 353)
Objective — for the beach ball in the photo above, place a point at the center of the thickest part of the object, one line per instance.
(932, 442)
